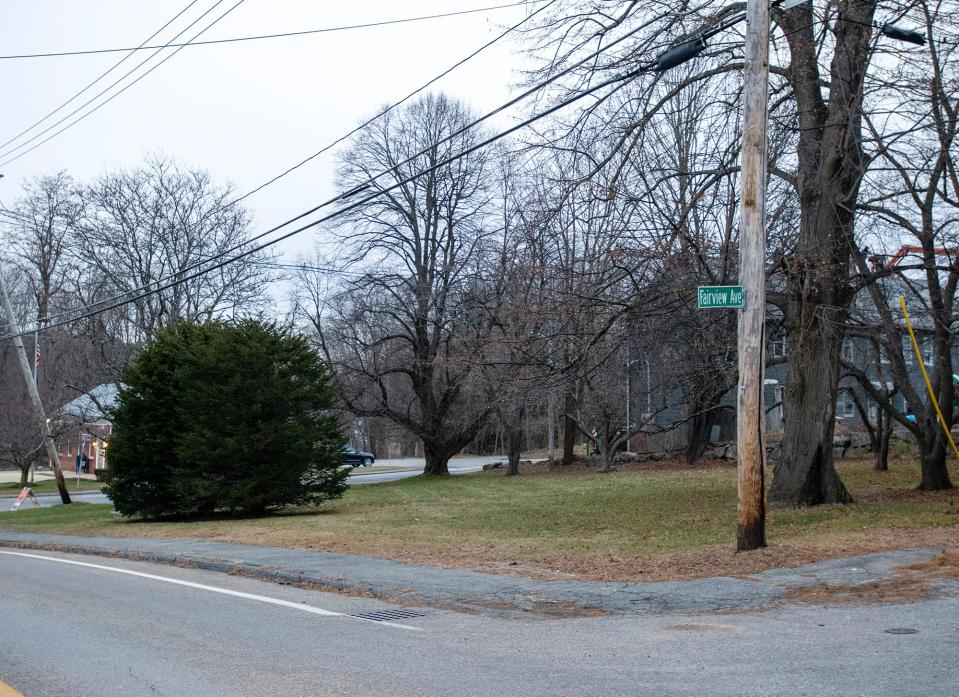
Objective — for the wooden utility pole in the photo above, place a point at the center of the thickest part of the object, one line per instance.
(33, 392)
(751, 440)
(551, 419)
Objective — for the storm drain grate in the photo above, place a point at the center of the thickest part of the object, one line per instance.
(901, 630)
(388, 615)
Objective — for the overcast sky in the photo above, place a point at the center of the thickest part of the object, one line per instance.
(244, 111)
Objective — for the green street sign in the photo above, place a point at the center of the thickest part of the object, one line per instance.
(720, 296)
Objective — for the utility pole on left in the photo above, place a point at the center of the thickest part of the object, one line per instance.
(14, 329)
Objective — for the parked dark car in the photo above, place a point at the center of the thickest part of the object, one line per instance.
(352, 456)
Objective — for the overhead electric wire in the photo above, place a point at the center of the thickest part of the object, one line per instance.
(101, 76)
(307, 267)
(14, 215)
(341, 211)
(263, 234)
(258, 37)
(144, 291)
(124, 297)
(394, 105)
(316, 154)
(112, 85)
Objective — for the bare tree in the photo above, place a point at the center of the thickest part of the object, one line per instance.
(683, 183)
(152, 222)
(878, 421)
(406, 337)
(911, 196)
(821, 87)
(40, 231)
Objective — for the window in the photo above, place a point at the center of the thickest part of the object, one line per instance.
(777, 346)
(908, 354)
(847, 352)
(845, 407)
(883, 356)
(925, 345)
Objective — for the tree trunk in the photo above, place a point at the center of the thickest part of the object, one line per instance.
(932, 441)
(437, 458)
(608, 455)
(805, 475)
(514, 437)
(932, 457)
(881, 443)
(829, 175)
(569, 427)
(706, 416)
(24, 476)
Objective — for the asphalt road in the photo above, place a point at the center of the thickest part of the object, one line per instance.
(362, 475)
(79, 631)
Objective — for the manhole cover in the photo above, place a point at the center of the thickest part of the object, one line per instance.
(901, 630)
(388, 615)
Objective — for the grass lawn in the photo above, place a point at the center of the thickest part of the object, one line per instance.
(49, 486)
(628, 525)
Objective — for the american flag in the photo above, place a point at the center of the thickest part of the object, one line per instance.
(36, 357)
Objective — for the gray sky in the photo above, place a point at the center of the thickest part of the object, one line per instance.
(244, 111)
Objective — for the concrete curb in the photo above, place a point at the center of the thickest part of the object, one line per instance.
(471, 591)
(367, 472)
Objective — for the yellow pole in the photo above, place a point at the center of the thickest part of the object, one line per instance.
(7, 691)
(925, 376)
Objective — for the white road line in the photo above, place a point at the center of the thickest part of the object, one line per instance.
(213, 589)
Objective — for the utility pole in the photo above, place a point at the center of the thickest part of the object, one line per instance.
(551, 428)
(36, 381)
(36, 350)
(750, 436)
(629, 391)
(33, 392)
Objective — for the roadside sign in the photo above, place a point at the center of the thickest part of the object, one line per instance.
(24, 493)
(709, 297)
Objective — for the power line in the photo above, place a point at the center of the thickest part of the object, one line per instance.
(394, 105)
(317, 268)
(100, 77)
(367, 199)
(316, 154)
(308, 267)
(13, 215)
(258, 37)
(112, 85)
(179, 278)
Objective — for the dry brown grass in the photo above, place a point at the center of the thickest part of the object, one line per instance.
(649, 521)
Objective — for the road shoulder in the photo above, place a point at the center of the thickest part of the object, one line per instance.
(898, 576)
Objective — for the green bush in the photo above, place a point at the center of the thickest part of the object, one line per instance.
(224, 417)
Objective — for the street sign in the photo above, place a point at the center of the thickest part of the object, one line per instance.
(720, 296)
